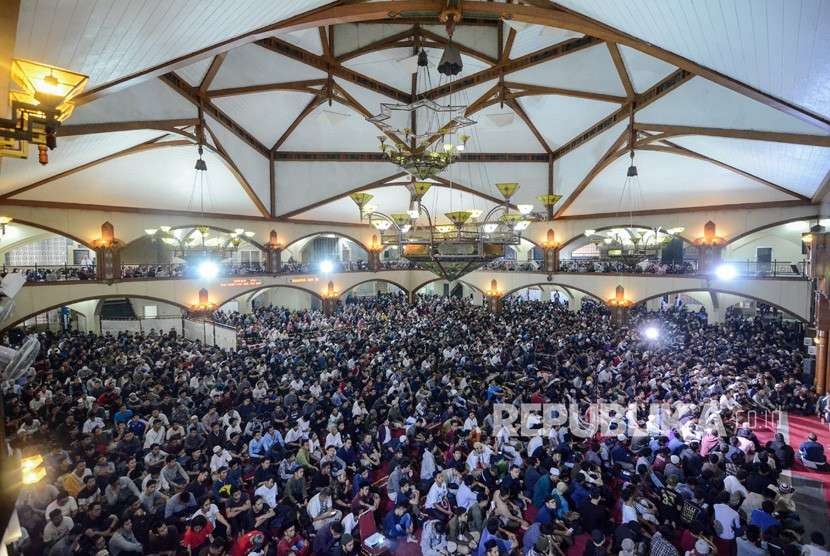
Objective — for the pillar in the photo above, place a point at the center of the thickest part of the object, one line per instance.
(551, 253)
(107, 254)
(273, 254)
(709, 248)
(819, 257)
(330, 300)
(820, 381)
(493, 298)
(620, 306)
(374, 251)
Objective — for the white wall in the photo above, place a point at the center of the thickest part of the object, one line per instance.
(290, 298)
(784, 240)
(163, 309)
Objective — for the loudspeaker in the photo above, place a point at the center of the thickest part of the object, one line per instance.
(808, 371)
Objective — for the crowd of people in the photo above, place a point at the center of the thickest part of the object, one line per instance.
(632, 267)
(377, 429)
(52, 273)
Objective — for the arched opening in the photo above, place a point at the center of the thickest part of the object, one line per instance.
(372, 288)
(717, 304)
(43, 254)
(178, 251)
(772, 250)
(636, 249)
(104, 314)
(458, 289)
(328, 251)
(293, 298)
(551, 292)
(526, 256)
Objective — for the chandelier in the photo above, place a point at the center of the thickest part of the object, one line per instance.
(423, 137)
(470, 239)
(38, 108)
(201, 241)
(632, 244)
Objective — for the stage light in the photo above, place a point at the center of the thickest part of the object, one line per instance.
(326, 267)
(208, 270)
(726, 272)
(651, 333)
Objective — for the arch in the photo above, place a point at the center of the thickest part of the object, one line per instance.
(718, 290)
(770, 225)
(563, 286)
(145, 237)
(259, 288)
(440, 279)
(88, 298)
(396, 284)
(324, 232)
(638, 226)
(53, 231)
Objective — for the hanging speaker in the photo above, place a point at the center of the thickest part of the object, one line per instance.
(450, 63)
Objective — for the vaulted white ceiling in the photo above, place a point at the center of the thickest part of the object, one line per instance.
(275, 99)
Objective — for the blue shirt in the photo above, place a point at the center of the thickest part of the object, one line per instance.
(763, 520)
(504, 544)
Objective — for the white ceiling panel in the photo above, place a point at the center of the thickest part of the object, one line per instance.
(531, 176)
(332, 128)
(265, 115)
(351, 36)
(569, 170)
(70, 153)
(644, 70)
(302, 183)
(779, 46)
(148, 100)
(482, 39)
(501, 130)
(699, 102)
(669, 181)
(255, 65)
(194, 73)
(536, 37)
(800, 168)
(253, 165)
(559, 119)
(590, 69)
(383, 65)
(160, 178)
(307, 39)
(110, 39)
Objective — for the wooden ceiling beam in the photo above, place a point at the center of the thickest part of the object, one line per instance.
(372, 184)
(342, 96)
(211, 72)
(469, 51)
(127, 209)
(380, 44)
(313, 156)
(509, 66)
(681, 210)
(146, 145)
(304, 86)
(452, 184)
(614, 50)
(246, 186)
(517, 108)
(639, 102)
(508, 46)
(109, 127)
(667, 131)
(333, 67)
(672, 148)
(309, 108)
(191, 94)
(611, 154)
(518, 90)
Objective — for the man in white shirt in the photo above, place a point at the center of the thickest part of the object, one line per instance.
(155, 435)
(320, 510)
(267, 489)
(727, 520)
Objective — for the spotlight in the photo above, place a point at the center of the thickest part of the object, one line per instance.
(326, 267)
(208, 270)
(651, 333)
(726, 272)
